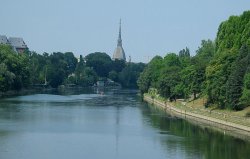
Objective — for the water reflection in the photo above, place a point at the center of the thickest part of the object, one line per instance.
(196, 141)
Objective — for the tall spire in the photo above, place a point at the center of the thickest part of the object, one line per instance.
(120, 30)
(119, 53)
(119, 41)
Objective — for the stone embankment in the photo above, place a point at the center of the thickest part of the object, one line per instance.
(223, 122)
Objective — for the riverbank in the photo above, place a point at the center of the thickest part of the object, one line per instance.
(233, 125)
(25, 91)
(17, 92)
(59, 90)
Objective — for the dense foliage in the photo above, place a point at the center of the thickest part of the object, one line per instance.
(225, 74)
(177, 76)
(219, 70)
(14, 71)
(30, 69)
(129, 74)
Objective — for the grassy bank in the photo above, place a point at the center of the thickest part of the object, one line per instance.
(196, 109)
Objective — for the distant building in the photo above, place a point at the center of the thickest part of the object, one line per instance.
(17, 44)
(119, 53)
(4, 40)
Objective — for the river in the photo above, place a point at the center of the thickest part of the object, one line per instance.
(83, 124)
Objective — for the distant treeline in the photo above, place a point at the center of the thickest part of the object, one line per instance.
(220, 70)
(27, 69)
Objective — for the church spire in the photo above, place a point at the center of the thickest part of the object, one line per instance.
(119, 41)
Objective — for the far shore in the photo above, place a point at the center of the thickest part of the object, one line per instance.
(22, 92)
(61, 88)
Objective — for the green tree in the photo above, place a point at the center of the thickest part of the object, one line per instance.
(118, 65)
(245, 98)
(233, 33)
(128, 77)
(169, 77)
(84, 76)
(6, 78)
(71, 62)
(223, 87)
(217, 73)
(143, 81)
(113, 75)
(18, 64)
(194, 75)
(100, 62)
(235, 81)
(149, 77)
(56, 70)
(192, 80)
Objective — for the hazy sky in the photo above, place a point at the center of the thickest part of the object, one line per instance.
(149, 27)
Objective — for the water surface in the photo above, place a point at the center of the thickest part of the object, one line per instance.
(115, 125)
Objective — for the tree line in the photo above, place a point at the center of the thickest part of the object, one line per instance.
(219, 72)
(29, 69)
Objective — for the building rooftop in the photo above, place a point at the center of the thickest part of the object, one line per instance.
(3, 39)
(17, 43)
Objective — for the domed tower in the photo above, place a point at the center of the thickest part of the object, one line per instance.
(119, 53)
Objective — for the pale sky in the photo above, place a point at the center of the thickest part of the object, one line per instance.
(149, 27)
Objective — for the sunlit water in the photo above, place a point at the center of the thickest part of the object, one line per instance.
(115, 125)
